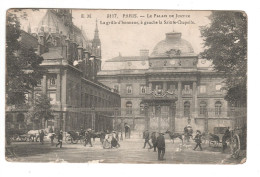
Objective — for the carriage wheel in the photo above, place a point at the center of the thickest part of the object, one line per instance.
(75, 141)
(68, 139)
(235, 146)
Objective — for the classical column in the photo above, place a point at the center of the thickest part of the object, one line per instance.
(146, 107)
(58, 89)
(44, 84)
(93, 118)
(172, 116)
(194, 99)
(165, 85)
(150, 86)
(179, 106)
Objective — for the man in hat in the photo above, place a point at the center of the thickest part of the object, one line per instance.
(154, 141)
(198, 140)
(161, 146)
(146, 139)
(88, 138)
(60, 137)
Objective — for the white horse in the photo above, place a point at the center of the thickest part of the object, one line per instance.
(35, 134)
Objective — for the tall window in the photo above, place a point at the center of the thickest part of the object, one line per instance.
(52, 80)
(218, 87)
(186, 109)
(218, 106)
(203, 89)
(116, 87)
(143, 89)
(142, 108)
(52, 96)
(203, 108)
(157, 110)
(129, 107)
(129, 89)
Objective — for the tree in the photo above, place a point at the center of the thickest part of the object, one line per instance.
(41, 110)
(23, 65)
(225, 43)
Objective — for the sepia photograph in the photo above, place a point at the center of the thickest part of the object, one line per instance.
(126, 86)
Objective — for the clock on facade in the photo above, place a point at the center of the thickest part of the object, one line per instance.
(172, 62)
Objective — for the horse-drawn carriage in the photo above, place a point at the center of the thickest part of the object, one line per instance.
(73, 137)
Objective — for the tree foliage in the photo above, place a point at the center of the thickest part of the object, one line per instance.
(41, 110)
(23, 65)
(225, 43)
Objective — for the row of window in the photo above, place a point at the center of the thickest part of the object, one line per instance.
(186, 110)
(186, 89)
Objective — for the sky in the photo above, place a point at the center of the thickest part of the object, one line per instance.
(128, 39)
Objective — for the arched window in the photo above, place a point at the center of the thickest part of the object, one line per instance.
(142, 108)
(20, 118)
(186, 109)
(203, 107)
(218, 108)
(129, 107)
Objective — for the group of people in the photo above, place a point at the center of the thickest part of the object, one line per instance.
(158, 142)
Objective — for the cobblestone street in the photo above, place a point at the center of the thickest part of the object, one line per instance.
(131, 151)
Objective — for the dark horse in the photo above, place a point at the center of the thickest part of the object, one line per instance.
(175, 135)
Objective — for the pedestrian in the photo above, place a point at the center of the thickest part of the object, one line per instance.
(88, 138)
(41, 135)
(60, 137)
(198, 140)
(225, 138)
(146, 139)
(102, 136)
(154, 141)
(52, 138)
(161, 146)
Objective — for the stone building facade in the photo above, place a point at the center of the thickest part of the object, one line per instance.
(168, 89)
(72, 62)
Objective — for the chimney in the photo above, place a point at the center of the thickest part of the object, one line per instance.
(144, 52)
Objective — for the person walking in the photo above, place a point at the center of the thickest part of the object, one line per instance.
(225, 138)
(146, 139)
(154, 141)
(41, 135)
(198, 140)
(161, 146)
(88, 138)
(52, 138)
(60, 137)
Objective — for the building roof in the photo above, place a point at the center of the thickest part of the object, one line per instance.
(127, 58)
(173, 45)
(28, 41)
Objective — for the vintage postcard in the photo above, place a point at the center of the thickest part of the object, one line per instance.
(126, 86)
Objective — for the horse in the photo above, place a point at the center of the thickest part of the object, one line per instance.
(35, 134)
(175, 135)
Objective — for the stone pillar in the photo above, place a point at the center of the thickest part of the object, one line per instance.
(179, 105)
(194, 99)
(146, 107)
(93, 118)
(150, 86)
(44, 84)
(165, 85)
(58, 90)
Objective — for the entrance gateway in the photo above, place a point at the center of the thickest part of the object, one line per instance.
(160, 109)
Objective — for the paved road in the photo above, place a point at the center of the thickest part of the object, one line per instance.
(131, 151)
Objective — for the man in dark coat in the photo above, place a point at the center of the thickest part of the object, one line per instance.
(154, 141)
(146, 139)
(198, 140)
(88, 138)
(225, 138)
(161, 146)
(60, 137)
(41, 136)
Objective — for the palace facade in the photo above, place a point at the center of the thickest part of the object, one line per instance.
(168, 89)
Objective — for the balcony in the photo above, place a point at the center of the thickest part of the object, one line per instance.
(186, 91)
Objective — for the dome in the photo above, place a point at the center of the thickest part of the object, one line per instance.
(172, 45)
